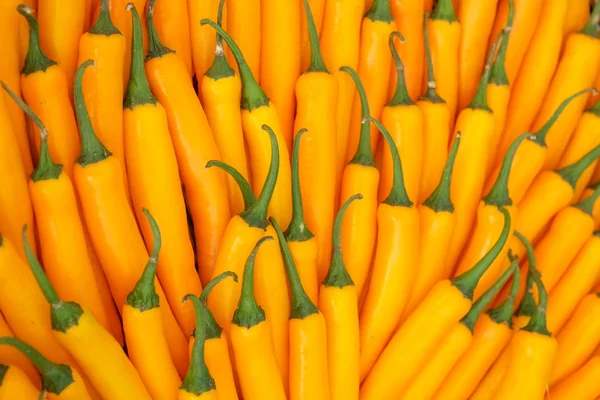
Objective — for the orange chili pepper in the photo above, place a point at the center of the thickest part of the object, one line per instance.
(61, 26)
(202, 37)
(550, 192)
(12, 356)
(393, 272)
(416, 340)
(577, 281)
(154, 180)
(578, 339)
(258, 110)
(576, 70)
(476, 22)
(60, 381)
(476, 125)
(535, 74)
(103, 85)
(90, 9)
(436, 122)
(10, 74)
(221, 91)
(23, 305)
(338, 301)
(530, 156)
(582, 384)
(408, 15)
(585, 138)
(173, 27)
(404, 119)
(216, 345)
(454, 345)
(489, 224)
(491, 334)
(374, 63)
(526, 17)
(280, 59)
(242, 233)
(15, 201)
(57, 215)
(444, 29)
(436, 218)
(317, 8)
(251, 341)
(73, 326)
(317, 161)
(340, 43)
(301, 241)
(532, 354)
(122, 20)
(45, 88)
(360, 176)
(308, 337)
(244, 26)
(577, 16)
(593, 99)
(115, 234)
(14, 384)
(498, 90)
(146, 342)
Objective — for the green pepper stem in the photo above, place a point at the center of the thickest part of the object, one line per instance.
(247, 193)
(220, 67)
(35, 60)
(503, 313)
(46, 287)
(398, 195)
(138, 89)
(104, 25)
(143, 296)
(249, 313)
(431, 95)
(498, 75)
(46, 168)
(155, 47)
(444, 11)
(587, 205)
(297, 231)
(439, 200)
(572, 173)
(537, 322)
(467, 282)
(317, 64)
(338, 275)
(401, 96)
(479, 101)
(540, 135)
(198, 379)
(498, 195)
(591, 28)
(92, 149)
(301, 305)
(477, 308)
(364, 152)
(213, 330)
(256, 215)
(253, 96)
(380, 11)
(528, 306)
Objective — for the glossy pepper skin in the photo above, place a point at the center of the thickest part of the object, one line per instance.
(580, 49)
(443, 307)
(393, 274)
(582, 384)
(221, 91)
(147, 344)
(45, 88)
(73, 326)
(257, 110)
(251, 341)
(173, 22)
(316, 105)
(102, 85)
(14, 384)
(338, 302)
(14, 357)
(15, 202)
(115, 236)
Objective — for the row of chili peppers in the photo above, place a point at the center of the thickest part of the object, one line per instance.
(380, 309)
